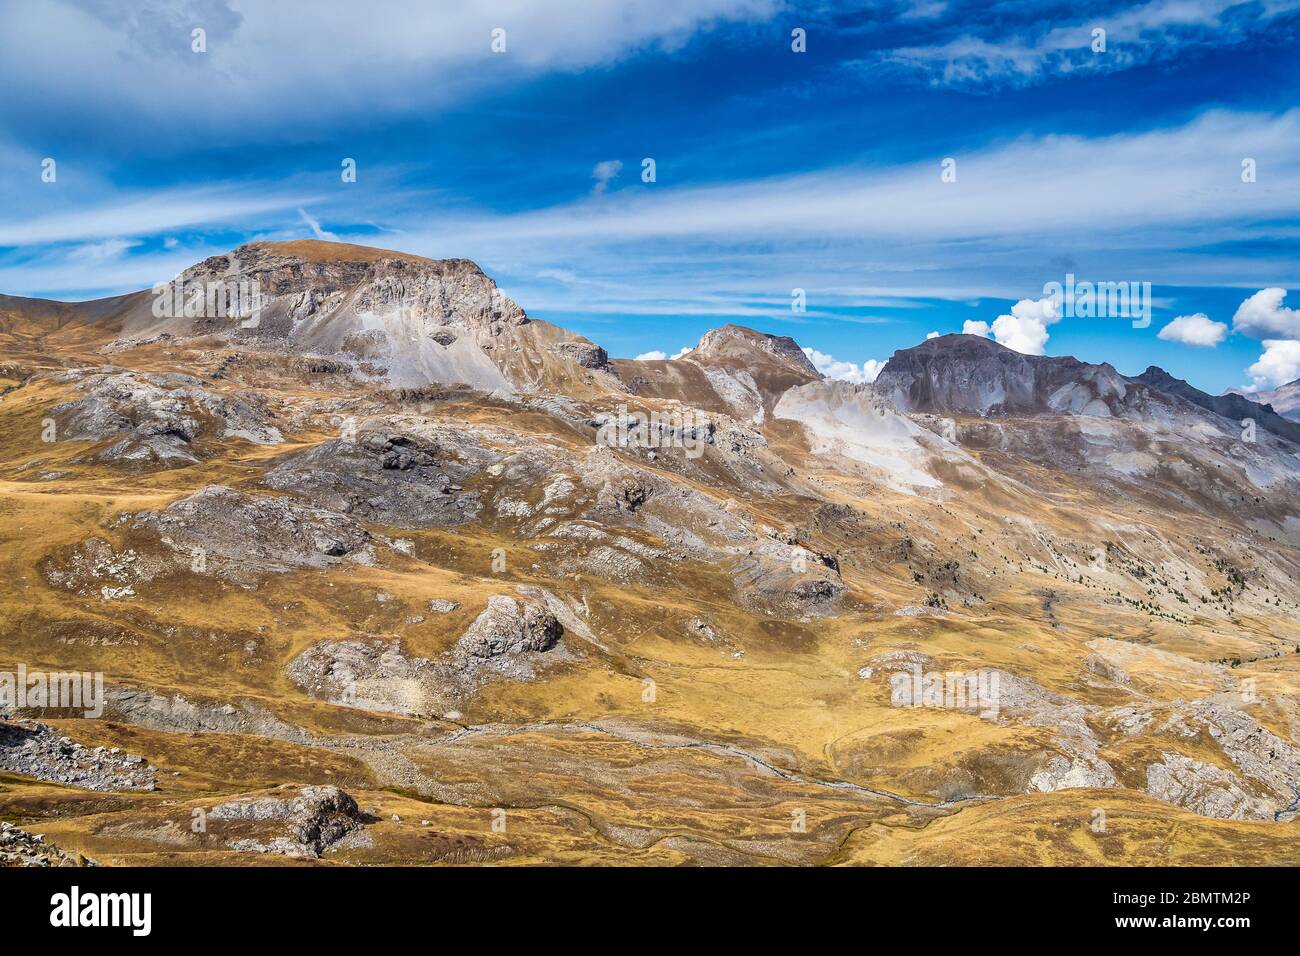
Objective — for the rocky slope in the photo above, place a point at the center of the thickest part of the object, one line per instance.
(1231, 406)
(385, 315)
(390, 578)
(1285, 399)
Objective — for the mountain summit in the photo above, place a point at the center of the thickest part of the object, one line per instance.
(399, 317)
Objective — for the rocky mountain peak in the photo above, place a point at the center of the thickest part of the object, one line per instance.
(315, 275)
(969, 374)
(1285, 399)
(1231, 405)
(736, 344)
(393, 315)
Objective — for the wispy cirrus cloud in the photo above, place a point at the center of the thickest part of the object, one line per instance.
(143, 212)
(314, 225)
(1009, 51)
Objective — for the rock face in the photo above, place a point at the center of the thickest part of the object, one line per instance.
(972, 375)
(507, 626)
(392, 473)
(1201, 788)
(1258, 754)
(307, 823)
(585, 354)
(407, 319)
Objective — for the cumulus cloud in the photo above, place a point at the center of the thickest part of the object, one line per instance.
(658, 355)
(604, 173)
(1024, 329)
(1198, 329)
(832, 367)
(1264, 314)
(1279, 364)
(931, 335)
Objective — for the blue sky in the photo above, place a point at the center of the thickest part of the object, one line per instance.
(775, 170)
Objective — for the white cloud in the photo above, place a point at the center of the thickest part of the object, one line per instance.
(314, 226)
(604, 173)
(931, 335)
(1198, 329)
(1164, 179)
(105, 249)
(1136, 35)
(1264, 314)
(657, 251)
(832, 367)
(1023, 329)
(145, 214)
(923, 9)
(1279, 364)
(133, 59)
(658, 355)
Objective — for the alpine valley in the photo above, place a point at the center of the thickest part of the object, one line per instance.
(365, 585)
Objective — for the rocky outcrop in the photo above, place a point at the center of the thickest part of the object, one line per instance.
(508, 627)
(1202, 788)
(391, 472)
(37, 750)
(304, 825)
(790, 579)
(157, 418)
(236, 534)
(585, 354)
(20, 848)
(370, 675)
(508, 640)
